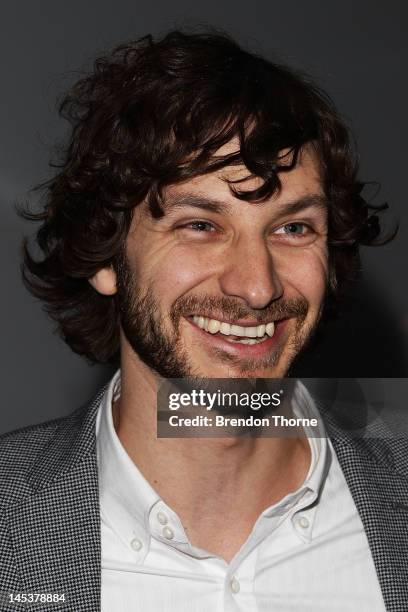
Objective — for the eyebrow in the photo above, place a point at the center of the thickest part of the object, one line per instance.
(187, 200)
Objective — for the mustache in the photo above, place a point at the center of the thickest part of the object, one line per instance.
(222, 306)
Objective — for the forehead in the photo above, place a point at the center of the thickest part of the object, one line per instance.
(301, 181)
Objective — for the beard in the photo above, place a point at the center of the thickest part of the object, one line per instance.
(144, 327)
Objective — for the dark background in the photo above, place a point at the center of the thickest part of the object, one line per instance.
(356, 51)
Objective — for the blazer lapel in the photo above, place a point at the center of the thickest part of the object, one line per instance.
(381, 497)
(375, 464)
(56, 529)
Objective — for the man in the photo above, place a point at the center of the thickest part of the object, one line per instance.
(206, 210)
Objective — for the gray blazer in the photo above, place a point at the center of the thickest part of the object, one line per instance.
(50, 524)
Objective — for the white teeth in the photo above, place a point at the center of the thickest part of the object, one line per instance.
(270, 329)
(260, 330)
(225, 329)
(214, 326)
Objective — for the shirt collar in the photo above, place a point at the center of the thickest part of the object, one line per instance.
(125, 495)
(133, 509)
(129, 505)
(300, 504)
(304, 406)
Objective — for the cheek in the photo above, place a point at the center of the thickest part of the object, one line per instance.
(305, 272)
(175, 271)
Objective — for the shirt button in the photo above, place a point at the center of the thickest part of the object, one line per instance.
(136, 544)
(234, 584)
(168, 533)
(162, 518)
(303, 522)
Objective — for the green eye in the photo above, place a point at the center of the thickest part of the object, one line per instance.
(294, 228)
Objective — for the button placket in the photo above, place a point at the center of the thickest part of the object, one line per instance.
(234, 585)
(136, 544)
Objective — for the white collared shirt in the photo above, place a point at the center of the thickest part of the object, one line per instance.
(307, 553)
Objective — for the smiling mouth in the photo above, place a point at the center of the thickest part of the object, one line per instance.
(235, 334)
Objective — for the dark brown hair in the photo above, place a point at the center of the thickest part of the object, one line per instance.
(153, 113)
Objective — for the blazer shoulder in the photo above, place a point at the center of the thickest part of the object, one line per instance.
(19, 450)
(35, 453)
(24, 443)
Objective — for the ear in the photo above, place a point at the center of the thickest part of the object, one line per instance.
(104, 281)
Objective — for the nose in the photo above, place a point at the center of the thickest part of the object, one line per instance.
(250, 274)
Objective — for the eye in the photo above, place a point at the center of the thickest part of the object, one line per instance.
(294, 229)
(199, 226)
(295, 233)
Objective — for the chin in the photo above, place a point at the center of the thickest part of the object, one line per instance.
(243, 370)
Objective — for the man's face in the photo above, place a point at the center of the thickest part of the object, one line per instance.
(199, 284)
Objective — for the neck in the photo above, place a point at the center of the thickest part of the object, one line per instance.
(227, 482)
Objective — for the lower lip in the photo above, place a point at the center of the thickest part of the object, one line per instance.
(260, 349)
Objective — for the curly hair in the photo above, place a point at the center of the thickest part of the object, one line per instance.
(154, 113)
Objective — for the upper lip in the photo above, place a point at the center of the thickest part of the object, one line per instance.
(240, 322)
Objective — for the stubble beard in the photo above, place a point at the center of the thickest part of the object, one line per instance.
(145, 329)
